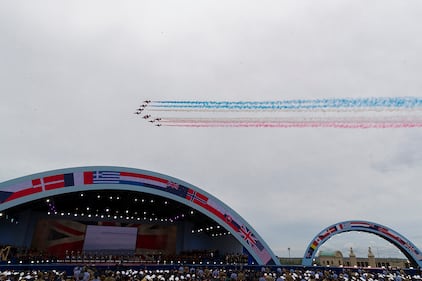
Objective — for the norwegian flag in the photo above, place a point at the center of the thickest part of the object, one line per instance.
(196, 197)
(247, 235)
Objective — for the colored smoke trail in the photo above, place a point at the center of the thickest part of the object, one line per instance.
(395, 112)
(397, 102)
(301, 125)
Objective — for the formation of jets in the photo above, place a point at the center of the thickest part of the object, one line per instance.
(147, 116)
(142, 106)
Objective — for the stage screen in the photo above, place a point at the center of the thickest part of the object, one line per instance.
(110, 238)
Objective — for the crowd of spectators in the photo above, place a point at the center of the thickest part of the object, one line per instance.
(203, 270)
(184, 273)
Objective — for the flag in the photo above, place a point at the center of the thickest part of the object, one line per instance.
(196, 197)
(78, 178)
(129, 178)
(99, 177)
(173, 185)
(232, 222)
(36, 185)
(142, 180)
(4, 195)
(247, 235)
(264, 255)
(18, 191)
(255, 244)
(57, 236)
(106, 177)
(215, 208)
(361, 224)
(54, 182)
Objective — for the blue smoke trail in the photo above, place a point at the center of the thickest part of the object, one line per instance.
(386, 102)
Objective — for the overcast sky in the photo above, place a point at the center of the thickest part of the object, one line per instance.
(73, 72)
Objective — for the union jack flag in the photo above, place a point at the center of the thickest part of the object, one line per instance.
(57, 236)
(247, 235)
(173, 185)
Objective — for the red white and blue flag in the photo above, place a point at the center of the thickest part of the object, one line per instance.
(247, 235)
(58, 236)
(129, 178)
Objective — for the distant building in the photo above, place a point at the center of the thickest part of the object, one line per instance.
(335, 259)
(330, 258)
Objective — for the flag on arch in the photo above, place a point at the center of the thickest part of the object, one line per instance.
(33, 186)
(197, 197)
